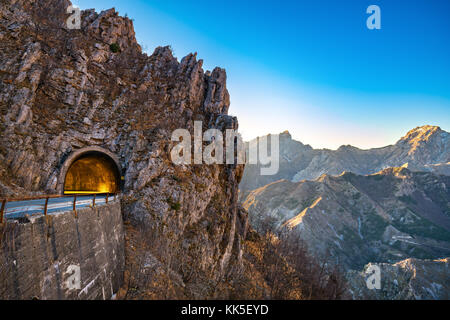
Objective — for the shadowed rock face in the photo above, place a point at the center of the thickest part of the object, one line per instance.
(425, 148)
(62, 90)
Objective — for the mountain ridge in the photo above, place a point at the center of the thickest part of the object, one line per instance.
(397, 219)
(425, 148)
(396, 200)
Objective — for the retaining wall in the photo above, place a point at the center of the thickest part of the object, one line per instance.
(64, 256)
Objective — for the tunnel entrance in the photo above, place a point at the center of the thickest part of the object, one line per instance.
(92, 172)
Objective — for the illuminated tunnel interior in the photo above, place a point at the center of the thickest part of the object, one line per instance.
(92, 172)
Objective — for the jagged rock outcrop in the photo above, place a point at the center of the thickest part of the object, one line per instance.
(425, 148)
(62, 90)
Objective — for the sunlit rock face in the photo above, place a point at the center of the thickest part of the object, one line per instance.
(92, 174)
(62, 90)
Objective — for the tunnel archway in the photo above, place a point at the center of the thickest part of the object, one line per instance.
(90, 170)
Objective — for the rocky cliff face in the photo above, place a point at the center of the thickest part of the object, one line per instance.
(393, 215)
(62, 90)
(424, 148)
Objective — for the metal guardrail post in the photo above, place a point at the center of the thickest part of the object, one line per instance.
(45, 206)
(3, 202)
(74, 202)
(2, 210)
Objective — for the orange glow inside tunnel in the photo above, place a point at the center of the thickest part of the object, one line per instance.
(92, 173)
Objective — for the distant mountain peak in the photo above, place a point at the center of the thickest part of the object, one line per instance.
(347, 147)
(422, 133)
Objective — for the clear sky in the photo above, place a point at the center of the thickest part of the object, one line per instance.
(313, 67)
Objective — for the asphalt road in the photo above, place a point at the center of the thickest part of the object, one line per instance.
(20, 209)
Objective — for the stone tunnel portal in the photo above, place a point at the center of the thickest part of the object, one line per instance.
(92, 172)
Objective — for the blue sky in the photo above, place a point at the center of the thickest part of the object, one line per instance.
(313, 67)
